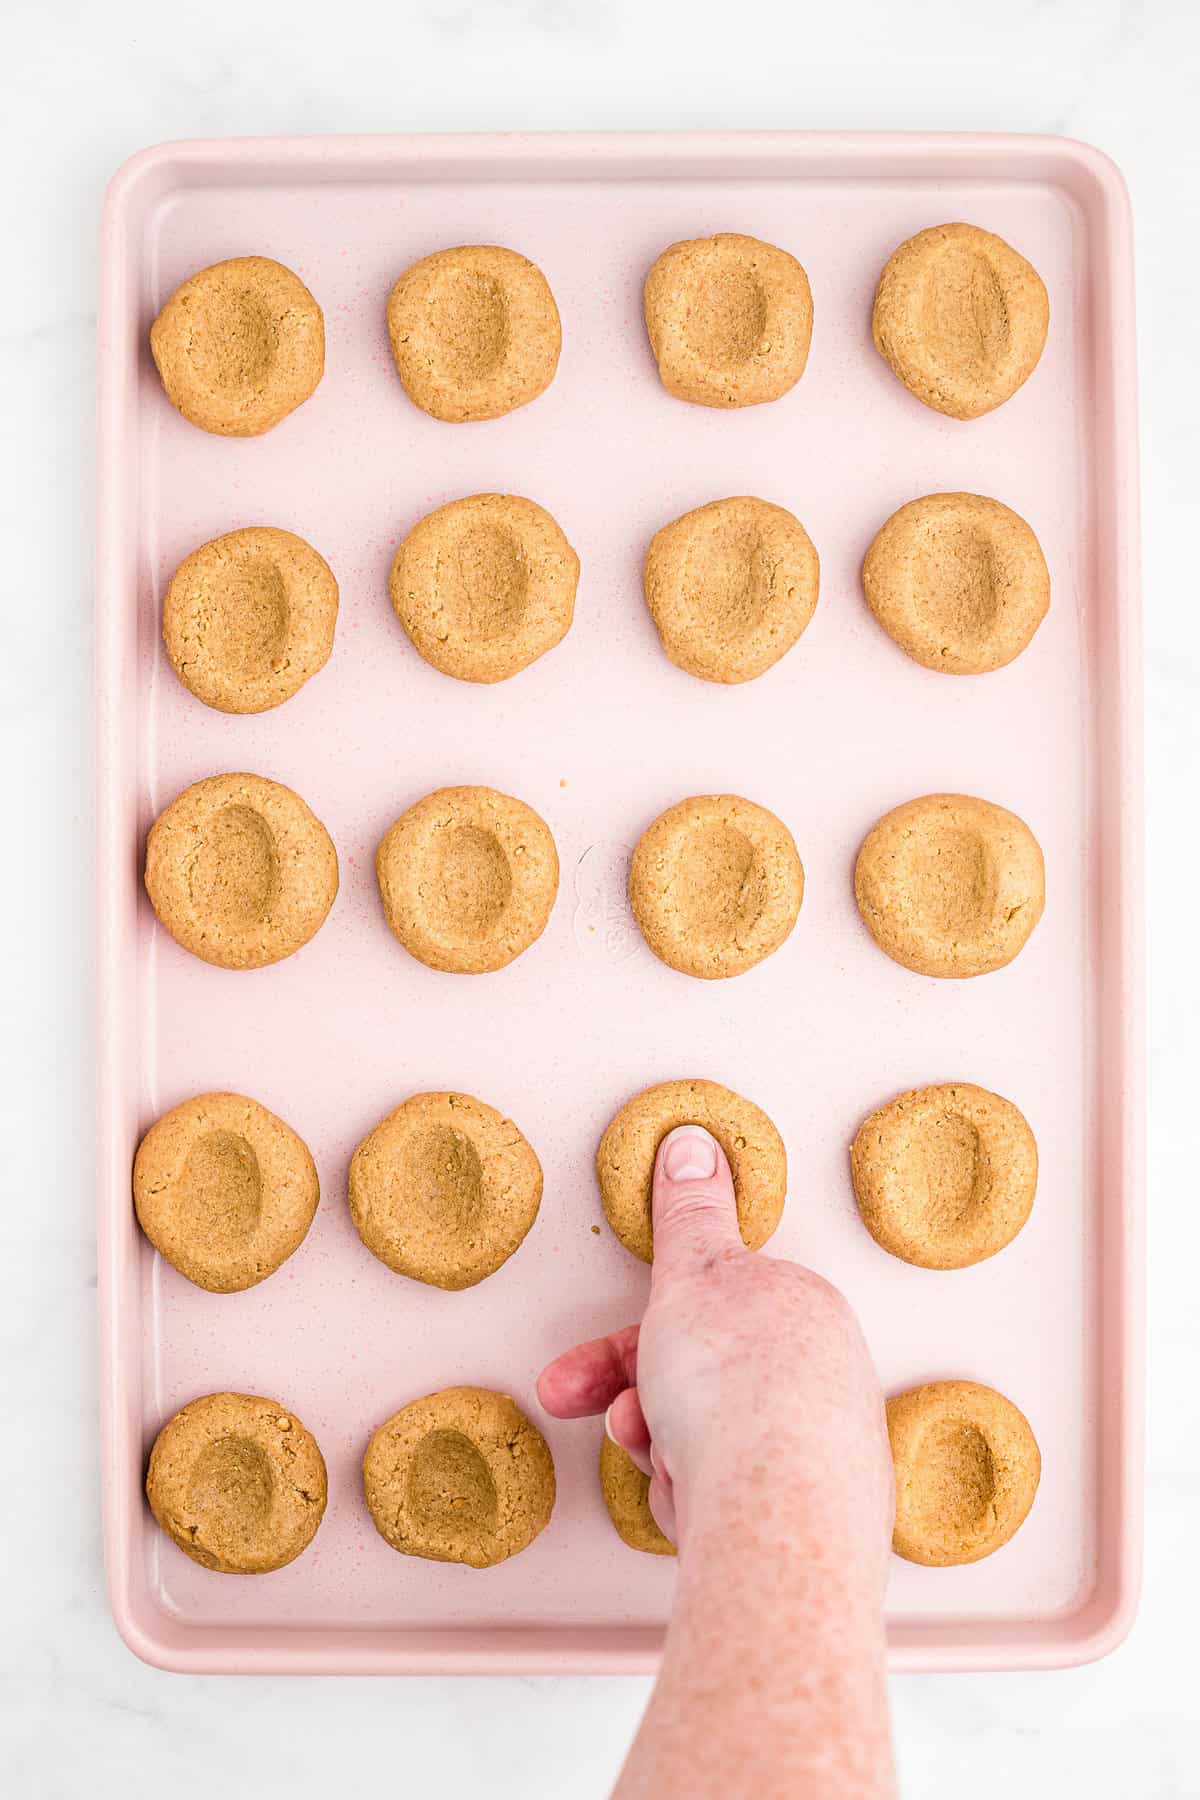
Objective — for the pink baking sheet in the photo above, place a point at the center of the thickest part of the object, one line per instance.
(599, 736)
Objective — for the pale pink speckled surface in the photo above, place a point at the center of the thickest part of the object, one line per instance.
(842, 729)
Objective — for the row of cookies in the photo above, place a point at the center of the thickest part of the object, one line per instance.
(959, 316)
(445, 1189)
(242, 874)
(239, 1484)
(486, 585)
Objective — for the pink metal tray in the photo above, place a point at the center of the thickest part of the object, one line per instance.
(599, 736)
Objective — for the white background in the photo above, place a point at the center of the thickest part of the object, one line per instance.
(82, 87)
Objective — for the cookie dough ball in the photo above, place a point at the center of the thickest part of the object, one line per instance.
(249, 617)
(627, 1496)
(967, 1469)
(461, 1476)
(239, 871)
(485, 586)
(958, 581)
(961, 318)
(729, 320)
(444, 1189)
(468, 878)
(753, 1148)
(224, 1190)
(944, 1176)
(731, 587)
(238, 1483)
(239, 346)
(715, 885)
(475, 332)
(950, 885)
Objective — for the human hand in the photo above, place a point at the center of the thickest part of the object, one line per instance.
(746, 1374)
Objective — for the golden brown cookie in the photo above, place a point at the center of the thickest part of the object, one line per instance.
(958, 581)
(237, 1482)
(468, 879)
(715, 885)
(239, 346)
(224, 1190)
(239, 871)
(729, 320)
(961, 318)
(249, 617)
(444, 1189)
(627, 1496)
(950, 885)
(754, 1150)
(944, 1176)
(475, 332)
(461, 1476)
(731, 587)
(485, 586)
(967, 1469)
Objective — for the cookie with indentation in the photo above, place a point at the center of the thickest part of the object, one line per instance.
(753, 1148)
(485, 585)
(249, 617)
(626, 1494)
(967, 1470)
(715, 884)
(460, 1476)
(961, 318)
(239, 346)
(945, 1176)
(474, 331)
(239, 871)
(468, 877)
(238, 1483)
(731, 587)
(950, 885)
(444, 1189)
(729, 320)
(958, 581)
(224, 1190)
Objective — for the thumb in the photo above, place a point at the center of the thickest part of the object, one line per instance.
(693, 1207)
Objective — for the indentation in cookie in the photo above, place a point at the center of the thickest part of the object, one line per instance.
(248, 618)
(221, 1190)
(957, 1490)
(951, 1183)
(233, 344)
(469, 882)
(441, 1177)
(235, 868)
(719, 885)
(450, 1488)
(726, 315)
(493, 584)
(231, 1484)
(959, 577)
(471, 321)
(963, 308)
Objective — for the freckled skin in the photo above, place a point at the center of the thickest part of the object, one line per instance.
(749, 1396)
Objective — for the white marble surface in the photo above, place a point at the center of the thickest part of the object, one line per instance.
(84, 85)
